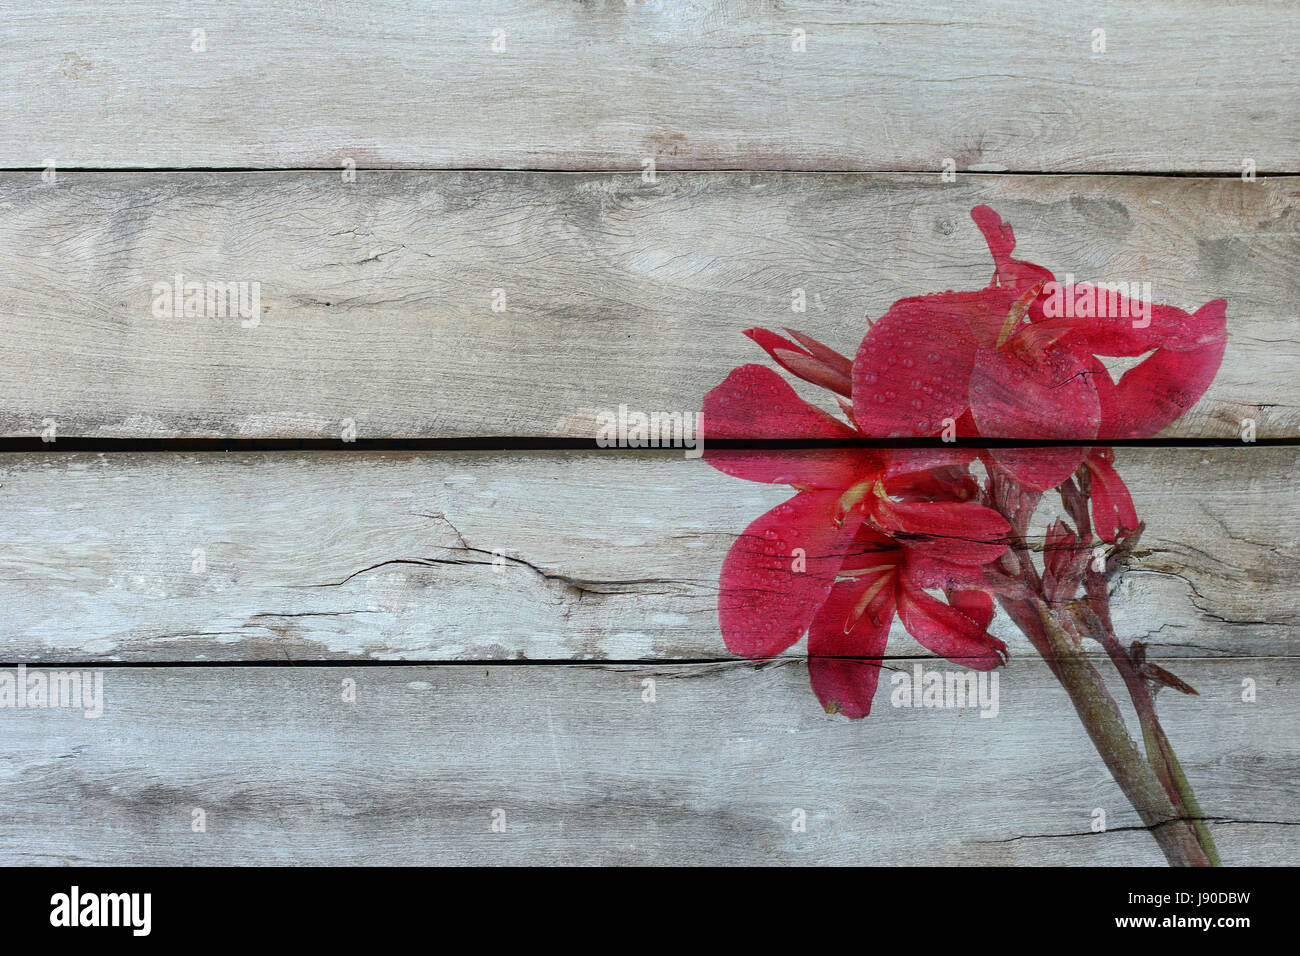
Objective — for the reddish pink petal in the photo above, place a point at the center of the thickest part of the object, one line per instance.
(1113, 514)
(948, 632)
(1038, 337)
(1035, 396)
(913, 463)
(871, 549)
(845, 668)
(1058, 546)
(925, 568)
(1039, 468)
(976, 605)
(939, 483)
(811, 370)
(1099, 375)
(965, 521)
(1156, 391)
(805, 364)
(913, 368)
(960, 533)
(1062, 562)
(769, 593)
(1114, 325)
(956, 551)
(1014, 273)
(824, 353)
(756, 402)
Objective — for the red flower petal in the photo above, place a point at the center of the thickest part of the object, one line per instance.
(824, 367)
(824, 353)
(948, 632)
(1014, 273)
(1058, 546)
(963, 521)
(1062, 563)
(925, 568)
(1112, 324)
(1113, 514)
(845, 668)
(913, 368)
(913, 464)
(1159, 389)
(957, 551)
(1099, 375)
(939, 482)
(975, 604)
(769, 593)
(870, 549)
(1035, 396)
(756, 402)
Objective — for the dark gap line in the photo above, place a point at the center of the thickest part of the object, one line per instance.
(504, 662)
(329, 662)
(523, 662)
(32, 445)
(1170, 173)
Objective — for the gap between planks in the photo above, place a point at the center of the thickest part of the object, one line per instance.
(660, 170)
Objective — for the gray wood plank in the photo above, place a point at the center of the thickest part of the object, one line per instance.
(377, 297)
(586, 771)
(692, 84)
(337, 555)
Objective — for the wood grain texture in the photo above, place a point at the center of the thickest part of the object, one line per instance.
(601, 569)
(377, 296)
(692, 84)
(588, 772)
(337, 556)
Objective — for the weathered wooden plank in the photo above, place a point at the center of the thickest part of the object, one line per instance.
(688, 83)
(337, 555)
(377, 297)
(586, 770)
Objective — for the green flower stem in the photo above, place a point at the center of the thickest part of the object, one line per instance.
(1160, 752)
(1105, 725)
(1153, 782)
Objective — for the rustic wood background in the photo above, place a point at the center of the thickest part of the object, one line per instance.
(500, 610)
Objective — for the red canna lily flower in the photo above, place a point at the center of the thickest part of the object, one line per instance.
(993, 363)
(871, 536)
(781, 570)
(886, 577)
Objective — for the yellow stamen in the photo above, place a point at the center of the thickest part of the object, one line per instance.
(848, 500)
(868, 596)
(1017, 313)
(859, 572)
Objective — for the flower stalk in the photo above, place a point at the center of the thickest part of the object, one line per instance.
(1153, 782)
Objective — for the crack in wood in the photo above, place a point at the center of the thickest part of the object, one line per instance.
(1218, 821)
